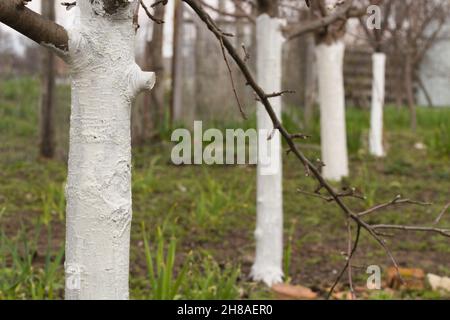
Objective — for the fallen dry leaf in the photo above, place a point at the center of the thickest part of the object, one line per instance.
(413, 278)
(285, 291)
(343, 295)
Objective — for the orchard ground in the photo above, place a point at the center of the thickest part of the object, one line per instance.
(203, 217)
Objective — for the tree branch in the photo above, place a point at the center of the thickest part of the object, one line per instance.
(16, 15)
(301, 29)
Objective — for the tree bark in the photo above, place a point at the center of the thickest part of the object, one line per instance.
(153, 104)
(399, 92)
(310, 81)
(376, 117)
(399, 76)
(269, 225)
(105, 80)
(47, 130)
(409, 89)
(330, 60)
(156, 63)
(176, 103)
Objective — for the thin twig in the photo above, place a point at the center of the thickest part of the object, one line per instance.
(279, 94)
(396, 201)
(443, 232)
(149, 14)
(347, 263)
(438, 219)
(349, 257)
(230, 72)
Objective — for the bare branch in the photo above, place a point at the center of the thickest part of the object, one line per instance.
(396, 201)
(233, 85)
(341, 13)
(443, 232)
(279, 94)
(347, 263)
(438, 219)
(149, 14)
(14, 14)
(240, 15)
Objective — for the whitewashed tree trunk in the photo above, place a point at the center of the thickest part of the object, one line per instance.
(330, 61)
(376, 116)
(105, 80)
(269, 225)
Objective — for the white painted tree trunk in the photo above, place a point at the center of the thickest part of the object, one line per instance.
(330, 61)
(376, 116)
(269, 226)
(105, 80)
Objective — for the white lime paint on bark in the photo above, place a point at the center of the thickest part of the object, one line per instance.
(269, 226)
(330, 61)
(105, 80)
(376, 116)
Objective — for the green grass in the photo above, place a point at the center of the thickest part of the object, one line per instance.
(211, 281)
(206, 214)
(25, 272)
(164, 283)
